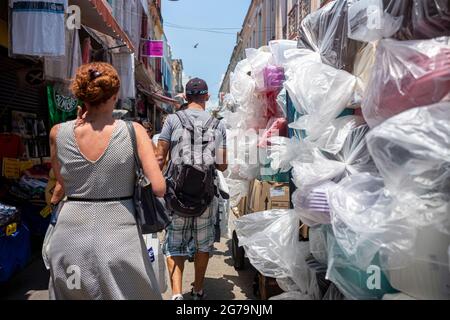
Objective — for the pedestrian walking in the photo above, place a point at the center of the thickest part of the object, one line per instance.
(97, 250)
(190, 185)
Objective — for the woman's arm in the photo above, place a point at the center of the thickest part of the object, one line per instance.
(58, 193)
(148, 160)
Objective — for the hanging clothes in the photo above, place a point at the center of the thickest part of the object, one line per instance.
(86, 50)
(124, 64)
(64, 68)
(38, 27)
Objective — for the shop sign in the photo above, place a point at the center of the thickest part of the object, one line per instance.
(153, 48)
(64, 103)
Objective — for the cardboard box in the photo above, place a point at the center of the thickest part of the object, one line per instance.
(241, 209)
(268, 195)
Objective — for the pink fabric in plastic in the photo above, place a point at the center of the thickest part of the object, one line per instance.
(273, 78)
(278, 128)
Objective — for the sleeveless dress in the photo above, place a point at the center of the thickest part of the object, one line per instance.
(97, 250)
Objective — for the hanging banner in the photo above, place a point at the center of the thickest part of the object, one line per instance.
(153, 48)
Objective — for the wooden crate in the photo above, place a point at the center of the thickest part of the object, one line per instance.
(268, 287)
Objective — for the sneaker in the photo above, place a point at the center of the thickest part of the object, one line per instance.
(198, 295)
(178, 297)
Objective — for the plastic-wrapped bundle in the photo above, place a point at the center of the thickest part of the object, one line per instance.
(313, 205)
(421, 19)
(335, 134)
(353, 158)
(412, 153)
(278, 49)
(273, 78)
(367, 21)
(241, 148)
(364, 63)
(407, 74)
(270, 240)
(353, 282)
(242, 85)
(283, 150)
(318, 244)
(365, 219)
(259, 59)
(427, 275)
(316, 84)
(325, 31)
(238, 190)
(277, 128)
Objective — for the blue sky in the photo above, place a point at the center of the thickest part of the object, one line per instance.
(210, 59)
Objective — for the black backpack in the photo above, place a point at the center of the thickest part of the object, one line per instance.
(191, 172)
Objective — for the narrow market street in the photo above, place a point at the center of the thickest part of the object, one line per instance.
(298, 149)
(222, 281)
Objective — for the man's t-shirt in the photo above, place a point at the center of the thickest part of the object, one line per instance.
(173, 129)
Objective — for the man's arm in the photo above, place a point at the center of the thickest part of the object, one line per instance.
(162, 152)
(222, 164)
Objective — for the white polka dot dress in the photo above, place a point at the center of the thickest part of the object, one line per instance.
(97, 251)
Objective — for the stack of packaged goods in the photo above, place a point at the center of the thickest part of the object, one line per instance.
(370, 158)
(29, 194)
(14, 242)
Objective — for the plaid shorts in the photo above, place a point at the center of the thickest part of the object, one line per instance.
(187, 236)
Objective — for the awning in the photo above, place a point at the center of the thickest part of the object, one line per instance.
(97, 15)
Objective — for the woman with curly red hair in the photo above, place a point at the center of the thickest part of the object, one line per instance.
(97, 250)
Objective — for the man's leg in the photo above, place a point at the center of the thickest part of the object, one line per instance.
(200, 264)
(176, 268)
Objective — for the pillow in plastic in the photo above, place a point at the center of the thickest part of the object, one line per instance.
(407, 74)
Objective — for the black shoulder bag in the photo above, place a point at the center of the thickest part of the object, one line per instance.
(150, 210)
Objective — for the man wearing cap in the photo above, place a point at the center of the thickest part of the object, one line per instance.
(190, 237)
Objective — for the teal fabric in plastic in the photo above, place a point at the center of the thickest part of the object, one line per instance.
(354, 283)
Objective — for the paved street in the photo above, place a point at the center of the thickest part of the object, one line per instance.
(222, 281)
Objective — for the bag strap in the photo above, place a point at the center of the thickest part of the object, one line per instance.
(212, 123)
(137, 161)
(185, 120)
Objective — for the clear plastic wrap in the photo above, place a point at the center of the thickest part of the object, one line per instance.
(335, 134)
(278, 49)
(421, 19)
(271, 242)
(367, 21)
(364, 63)
(318, 244)
(259, 59)
(407, 74)
(412, 153)
(353, 158)
(238, 190)
(427, 276)
(313, 205)
(275, 128)
(355, 283)
(242, 87)
(315, 86)
(365, 219)
(273, 78)
(283, 150)
(308, 175)
(326, 31)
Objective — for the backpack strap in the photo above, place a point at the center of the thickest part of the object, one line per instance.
(212, 123)
(185, 120)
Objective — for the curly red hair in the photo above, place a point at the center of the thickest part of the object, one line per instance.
(95, 83)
